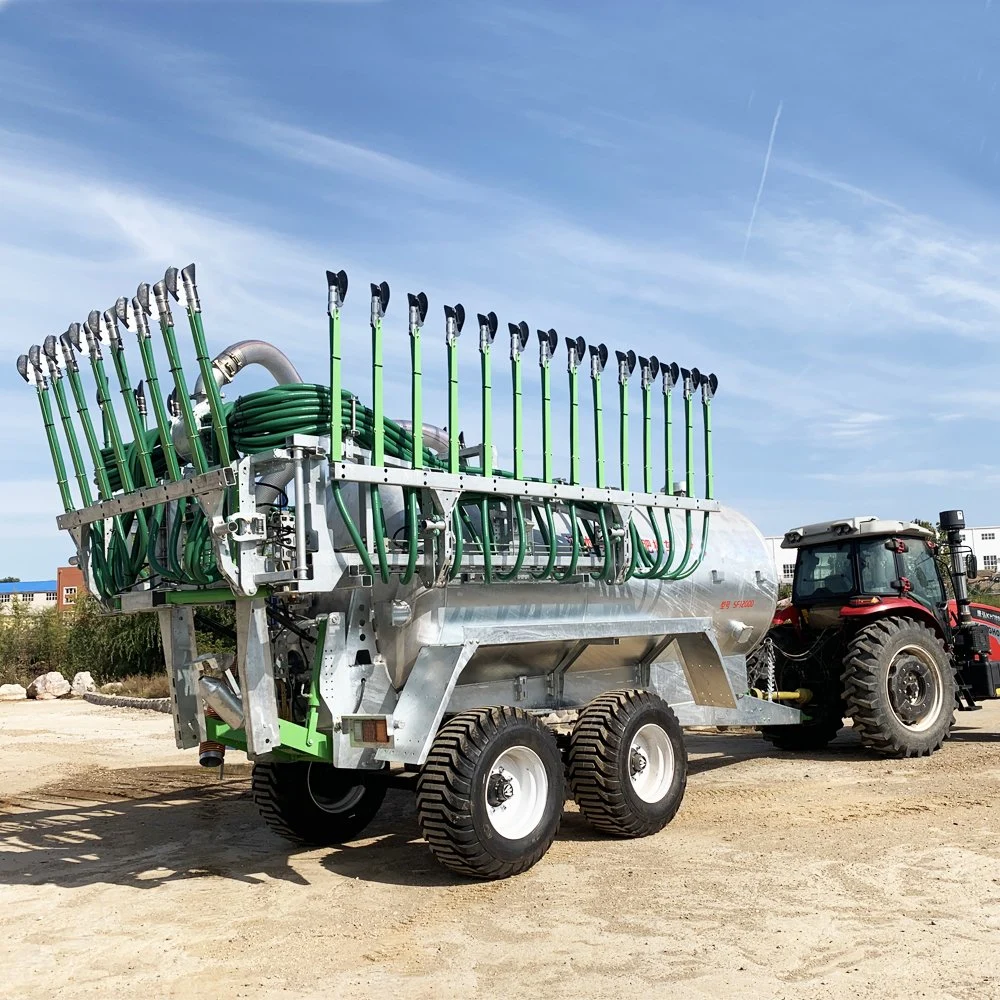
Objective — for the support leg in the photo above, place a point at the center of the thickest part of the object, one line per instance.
(256, 670)
(180, 651)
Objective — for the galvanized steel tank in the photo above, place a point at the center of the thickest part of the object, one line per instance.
(735, 586)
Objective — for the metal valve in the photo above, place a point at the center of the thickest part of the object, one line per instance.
(576, 350)
(111, 327)
(50, 350)
(337, 290)
(671, 374)
(380, 300)
(488, 326)
(548, 341)
(626, 365)
(191, 289)
(35, 360)
(418, 310)
(162, 303)
(648, 370)
(454, 320)
(519, 334)
(598, 359)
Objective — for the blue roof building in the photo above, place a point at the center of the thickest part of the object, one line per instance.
(29, 587)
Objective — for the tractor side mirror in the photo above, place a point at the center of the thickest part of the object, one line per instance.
(971, 566)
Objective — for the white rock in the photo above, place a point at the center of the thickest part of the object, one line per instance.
(113, 687)
(12, 692)
(82, 683)
(49, 686)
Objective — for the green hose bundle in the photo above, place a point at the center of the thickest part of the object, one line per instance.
(263, 421)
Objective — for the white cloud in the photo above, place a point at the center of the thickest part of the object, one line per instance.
(827, 344)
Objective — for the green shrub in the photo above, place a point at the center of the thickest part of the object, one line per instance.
(111, 647)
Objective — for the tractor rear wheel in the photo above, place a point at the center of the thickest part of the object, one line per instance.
(899, 685)
(314, 803)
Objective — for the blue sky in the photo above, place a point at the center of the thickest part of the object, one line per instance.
(587, 166)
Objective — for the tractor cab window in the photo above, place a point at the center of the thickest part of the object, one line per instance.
(878, 567)
(824, 572)
(919, 567)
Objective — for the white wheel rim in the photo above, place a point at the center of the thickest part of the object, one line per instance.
(517, 790)
(651, 763)
(931, 716)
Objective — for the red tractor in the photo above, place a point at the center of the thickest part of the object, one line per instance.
(871, 635)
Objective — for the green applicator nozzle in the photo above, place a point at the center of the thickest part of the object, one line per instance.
(689, 378)
(418, 306)
(135, 416)
(454, 320)
(548, 341)
(626, 365)
(29, 367)
(135, 316)
(519, 334)
(598, 362)
(648, 370)
(576, 351)
(181, 397)
(671, 374)
(50, 348)
(488, 326)
(380, 302)
(709, 386)
(336, 294)
(192, 304)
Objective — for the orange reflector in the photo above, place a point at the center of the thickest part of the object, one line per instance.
(371, 731)
(864, 602)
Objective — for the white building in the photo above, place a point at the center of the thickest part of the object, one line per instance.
(984, 542)
(34, 595)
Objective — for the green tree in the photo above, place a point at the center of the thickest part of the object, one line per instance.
(10, 579)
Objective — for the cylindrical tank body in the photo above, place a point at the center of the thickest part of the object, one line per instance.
(735, 586)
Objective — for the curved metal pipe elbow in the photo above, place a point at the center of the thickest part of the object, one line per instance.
(229, 362)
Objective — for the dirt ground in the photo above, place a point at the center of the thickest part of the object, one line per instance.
(127, 871)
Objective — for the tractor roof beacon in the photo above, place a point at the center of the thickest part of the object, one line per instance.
(871, 634)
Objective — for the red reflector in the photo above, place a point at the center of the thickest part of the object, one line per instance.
(371, 731)
(864, 602)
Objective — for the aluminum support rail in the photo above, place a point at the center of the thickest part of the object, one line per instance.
(153, 496)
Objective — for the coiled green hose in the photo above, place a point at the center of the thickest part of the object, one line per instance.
(262, 421)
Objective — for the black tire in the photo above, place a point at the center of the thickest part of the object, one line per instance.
(460, 790)
(601, 764)
(316, 804)
(815, 734)
(899, 685)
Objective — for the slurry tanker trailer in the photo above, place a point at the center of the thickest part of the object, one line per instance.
(408, 613)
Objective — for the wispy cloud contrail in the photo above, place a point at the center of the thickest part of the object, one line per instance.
(763, 178)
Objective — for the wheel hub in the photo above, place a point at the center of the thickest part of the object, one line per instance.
(637, 761)
(500, 788)
(911, 689)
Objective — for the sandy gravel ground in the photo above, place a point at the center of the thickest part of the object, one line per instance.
(125, 871)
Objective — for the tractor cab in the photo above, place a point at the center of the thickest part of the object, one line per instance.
(862, 566)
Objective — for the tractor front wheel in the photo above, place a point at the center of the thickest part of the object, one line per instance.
(899, 685)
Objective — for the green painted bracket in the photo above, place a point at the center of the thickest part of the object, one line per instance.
(297, 744)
